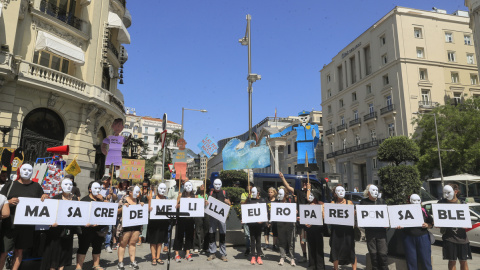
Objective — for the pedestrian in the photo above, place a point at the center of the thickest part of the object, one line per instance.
(157, 229)
(109, 193)
(376, 237)
(145, 192)
(92, 235)
(272, 197)
(286, 233)
(202, 226)
(215, 224)
(128, 235)
(456, 245)
(59, 243)
(342, 238)
(255, 230)
(246, 231)
(416, 240)
(185, 227)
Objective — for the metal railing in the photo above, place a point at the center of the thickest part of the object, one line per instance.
(111, 47)
(370, 116)
(341, 127)
(355, 122)
(61, 14)
(387, 109)
(355, 148)
(330, 131)
(427, 104)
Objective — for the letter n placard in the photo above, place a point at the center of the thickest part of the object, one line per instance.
(33, 211)
(372, 216)
(255, 212)
(451, 215)
(217, 209)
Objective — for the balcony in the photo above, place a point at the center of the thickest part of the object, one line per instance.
(330, 131)
(363, 146)
(427, 105)
(355, 122)
(62, 15)
(372, 115)
(342, 127)
(112, 48)
(387, 109)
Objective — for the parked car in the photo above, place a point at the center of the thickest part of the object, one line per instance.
(355, 197)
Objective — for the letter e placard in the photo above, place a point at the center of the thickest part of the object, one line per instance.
(162, 206)
(134, 215)
(451, 215)
(103, 213)
(339, 214)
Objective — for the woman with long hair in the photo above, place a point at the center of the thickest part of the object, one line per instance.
(272, 197)
(122, 190)
(185, 227)
(157, 229)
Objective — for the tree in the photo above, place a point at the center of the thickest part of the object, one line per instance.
(231, 176)
(399, 180)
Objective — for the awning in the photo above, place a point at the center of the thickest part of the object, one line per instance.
(114, 21)
(51, 43)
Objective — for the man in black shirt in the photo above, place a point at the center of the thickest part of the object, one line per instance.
(215, 224)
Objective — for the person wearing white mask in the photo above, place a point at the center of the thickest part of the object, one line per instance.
(456, 245)
(342, 239)
(376, 237)
(285, 232)
(316, 260)
(157, 229)
(255, 229)
(185, 227)
(128, 235)
(215, 224)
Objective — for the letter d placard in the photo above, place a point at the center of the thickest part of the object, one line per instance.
(134, 215)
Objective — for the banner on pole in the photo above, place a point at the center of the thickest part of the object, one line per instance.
(311, 214)
(217, 209)
(208, 146)
(132, 169)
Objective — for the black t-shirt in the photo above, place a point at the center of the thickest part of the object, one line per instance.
(88, 199)
(378, 201)
(221, 195)
(454, 235)
(76, 192)
(301, 196)
(419, 231)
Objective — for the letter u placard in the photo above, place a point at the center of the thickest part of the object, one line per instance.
(255, 212)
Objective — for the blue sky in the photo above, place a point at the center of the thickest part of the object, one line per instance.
(186, 54)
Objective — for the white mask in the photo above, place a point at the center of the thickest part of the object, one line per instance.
(96, 188)
(311, 198)
(448, 192)
(136, 192)
(340, 191)
(254, 192)
(373, 190)
(67, 185)
(415, 199)
(188, 186)
(26, 171)
(217, 184)
(162, 188)
(281, 195)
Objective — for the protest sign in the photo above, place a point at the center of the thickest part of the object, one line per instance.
(208, 146)
(217, 209)
(33, 211)
(132, 169)
(311, 214)
(162, 206)
(134, 215)
(372, 216)
(451, 215)
(194, 206)
(408, 215)
(256, 212)
(283, 212)
(73, 213)
(102, 213)
(339, 214)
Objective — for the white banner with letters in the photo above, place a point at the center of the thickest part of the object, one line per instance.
(162, 206)
(283, 212)
(451, 215)
(339, 214)
(311, 214)
(194, 206)
(73, 213)
(32, 211)
(372, 216)
(217, 209)
(407, 215)
(103, 213)
(255, 212)
(134, 215)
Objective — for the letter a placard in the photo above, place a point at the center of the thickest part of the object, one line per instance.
(194, 206)
(73, 213)
(134, 215)
(339, 214)
(283, 212)
(217, 209)
(407, 215)
(311, 214)
(33, 211)
(372, 216)
(451, 215)
(255, 212)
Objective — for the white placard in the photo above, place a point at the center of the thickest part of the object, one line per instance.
(372, 216)
(311, 214)
(451, 215)
(255, 212)
(408, 215)
(162, 206)
(339, 214)
(103, 213)
(134, 215)
(73, 213)
(194, 206)
(283, 212)
(217, 209)
(33, 211)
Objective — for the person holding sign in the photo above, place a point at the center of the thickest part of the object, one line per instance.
(342, 239)
(272, 197)
(202, 237)
(215, 224)
(128, 235)
(455, 241)
(255, 229)
(185, 227)
(157, 229)
(316, 260)
(376, 237)
(285, 233)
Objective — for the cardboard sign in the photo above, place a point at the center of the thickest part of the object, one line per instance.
(134, 215)
(372, 216)
(339, 214)
(102, 213)
(132, 169)
(208, 146)
(217, 209)
(311, 214)
(451, 215)
(73, 213)
(283, 212)
(33, 211)
(255, 212)
(194, 206)
(408, 215)
(162, 206)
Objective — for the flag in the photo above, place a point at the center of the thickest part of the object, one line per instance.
(275, 113)
(73, 168)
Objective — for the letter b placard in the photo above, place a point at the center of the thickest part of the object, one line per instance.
(451, 215)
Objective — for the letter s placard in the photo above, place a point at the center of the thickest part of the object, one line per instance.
(407, 215)
(339, 214)
(73, 213)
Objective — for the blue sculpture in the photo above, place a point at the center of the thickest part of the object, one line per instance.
(247, 157)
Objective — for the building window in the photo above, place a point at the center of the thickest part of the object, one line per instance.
(388, 100)
(383, 40)
(344, 144)
(425, 96)
(328, 78)
(340, 77)
(467, 39)
(391, 129)
(373, 134)
(451, 56)
(353, 70)
(357, 139)
(145, 138)
(340, 103)
(417, 32)
(369, 89)
(106, 78)
(296, 147)
(329, 93)
(374, 163)
(370, 108)
(448, 37)
(329, 109)
(386, 81)
(135, 128)
(368, 60)
(289, 170)
(331, 147)
(420, 53)
(50, 60)
(455, 77)
(457, 97)
(342, 120)
(155, 149)
(156, 129)
(135, 136)
(345, 167)
(384, 59)
(470, 59)
(146, 129)
(289, 149)
(473, 79)
(423, 74)
(355, 114)
(354, 96)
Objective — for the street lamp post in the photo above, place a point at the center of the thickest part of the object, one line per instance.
(183, 112)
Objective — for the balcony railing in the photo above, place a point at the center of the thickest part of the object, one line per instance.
(427, 104)
(355, 122)
(387, 109)
(355, 148)
(61, 14)
(341, 127)
(330, 131)
(111, 47)
(56, 77)
(369, 116)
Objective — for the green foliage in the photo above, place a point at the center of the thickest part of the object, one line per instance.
(231, 176)
(238, 210)
(150, 167)
(168, 175)
(399, 182)
(234, 193)
(398, 149)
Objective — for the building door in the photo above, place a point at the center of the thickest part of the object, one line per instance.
(363, 175)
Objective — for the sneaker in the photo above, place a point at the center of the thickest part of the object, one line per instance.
(292, 263)
(211, 257)
(134, 265)
(253, 261)
(281, 261)
(178, 259)
(224, 258)
(259, 261)
(108, 249)
(195, 251)
(120, 266)
(189, 258)
(247, 252)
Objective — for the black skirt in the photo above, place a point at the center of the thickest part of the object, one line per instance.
(58, 248)
(342, 244)
(157, 231)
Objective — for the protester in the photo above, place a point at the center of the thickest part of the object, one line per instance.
(416, 241)
(122, 190)
(316, 260)
(59, 243)
(455, 241)
(255, 229)
(246, 231)
(75, 189)
(215, 224)
(91, 233)
(342, 238)
(18, 237)
(145, 192)
(202, 225)
(128, 235)
(109, 193)
(172, 194)
(286, 233)
(185, 227)
(376, 237)
(157, 229)
(272, 197)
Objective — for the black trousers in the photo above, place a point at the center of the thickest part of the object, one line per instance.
(316, 260)
(255, 238)
(378, 248)
(185, 228)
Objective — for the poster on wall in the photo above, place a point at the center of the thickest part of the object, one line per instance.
(132, 169)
